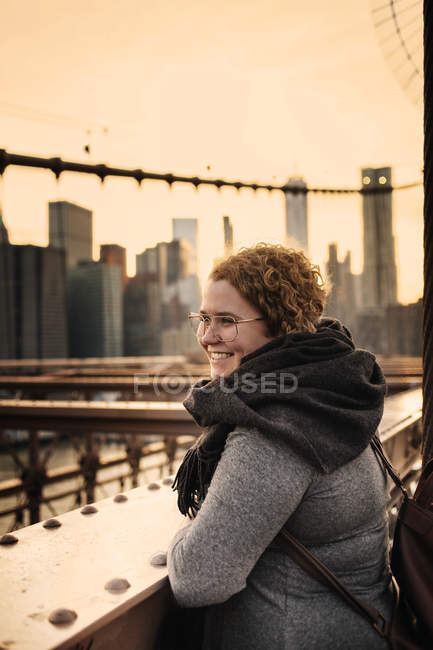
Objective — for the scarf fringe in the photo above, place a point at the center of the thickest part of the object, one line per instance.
(194, 475)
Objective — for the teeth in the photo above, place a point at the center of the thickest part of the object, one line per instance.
(219, 355)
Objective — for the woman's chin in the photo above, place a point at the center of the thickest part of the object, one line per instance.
(219, 372)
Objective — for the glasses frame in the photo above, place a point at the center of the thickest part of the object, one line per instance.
(193, 315)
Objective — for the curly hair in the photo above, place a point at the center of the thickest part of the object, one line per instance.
(281, 282)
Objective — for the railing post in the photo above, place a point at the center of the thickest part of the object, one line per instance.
(89, 463)
(33, 478)
(428, 235)
(133, 451)
(170, 449)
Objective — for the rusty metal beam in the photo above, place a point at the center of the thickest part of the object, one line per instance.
(158, 418)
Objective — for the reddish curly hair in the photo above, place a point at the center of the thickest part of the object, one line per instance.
(281, 282)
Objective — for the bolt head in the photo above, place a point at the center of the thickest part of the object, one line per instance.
(159, 559)
(88, 510)
(117, 585)
(8, 539)
(51, 523)
(62, 616)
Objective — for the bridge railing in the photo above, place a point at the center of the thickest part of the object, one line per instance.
(166, 425)
(102, 571)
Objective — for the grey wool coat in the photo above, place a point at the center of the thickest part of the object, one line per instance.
(298, 459)
(257, 597)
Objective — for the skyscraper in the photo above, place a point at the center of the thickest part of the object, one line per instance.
(228, 236)
(184, 228)
(142, 316)
(95, 310)
(169, 261)
(114, 254)
(379, 272)
(7, 302)
(40, 302)
(70, 228)
(341, 301)
(296, 214)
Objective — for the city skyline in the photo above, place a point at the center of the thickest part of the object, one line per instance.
(250, 92)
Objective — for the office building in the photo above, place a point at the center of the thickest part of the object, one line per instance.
(228, 236)
(95, 310)
(40, 302)
(343, 298)
(296, 214)
(380, 271)
(404, 329)
(7, 302)
(114, 254)
(187, 228)
(168, 261)
(142, 316)
(70, 228)
(181, 340)
(170, 267)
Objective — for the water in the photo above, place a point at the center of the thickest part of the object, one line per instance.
(66, 455)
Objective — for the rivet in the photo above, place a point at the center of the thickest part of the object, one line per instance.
(51, 523)
(168, 480)
(159, 559)
(88, 510)
(62, 616)
(120, 498)
(116, 585)
(153, 486)
(8, 539)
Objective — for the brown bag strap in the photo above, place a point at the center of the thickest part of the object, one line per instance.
(300, 554)
(378, 449)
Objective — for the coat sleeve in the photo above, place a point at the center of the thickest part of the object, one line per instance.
(258, 484)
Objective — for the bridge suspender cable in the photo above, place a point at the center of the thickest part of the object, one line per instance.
(58, 166)
(428, 235)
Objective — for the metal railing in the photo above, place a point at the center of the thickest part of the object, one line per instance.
(103, 568)
(133, 422)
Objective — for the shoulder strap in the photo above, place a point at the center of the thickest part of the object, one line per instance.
(300, 554)
(378, 449)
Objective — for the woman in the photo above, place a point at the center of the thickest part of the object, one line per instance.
(288, 414)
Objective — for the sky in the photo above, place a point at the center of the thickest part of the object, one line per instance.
(244, 90)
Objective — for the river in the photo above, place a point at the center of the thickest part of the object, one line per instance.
(65, 455)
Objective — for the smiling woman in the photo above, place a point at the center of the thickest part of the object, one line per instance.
(288, 416)
(222, 327)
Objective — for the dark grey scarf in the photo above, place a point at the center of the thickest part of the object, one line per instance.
(316, 390)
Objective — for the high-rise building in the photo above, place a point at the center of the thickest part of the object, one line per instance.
(228, 236)
(179, 255)
(7, 302)
(40, 302)
(168, 261)
(404, 329)
(4, 236)
(114, 254)
(187, 228)
(142, 316)
(154, 261)
(95, 310)
(379, 272)
(296, 214)
(70, 228)
(169, 266)
(341, 301)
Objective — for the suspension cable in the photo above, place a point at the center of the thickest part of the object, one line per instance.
(58, 166)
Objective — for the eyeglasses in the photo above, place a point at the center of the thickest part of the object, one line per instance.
(224, 328)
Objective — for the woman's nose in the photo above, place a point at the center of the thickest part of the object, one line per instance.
(209, 336)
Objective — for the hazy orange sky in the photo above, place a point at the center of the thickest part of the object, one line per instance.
(255, 90)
